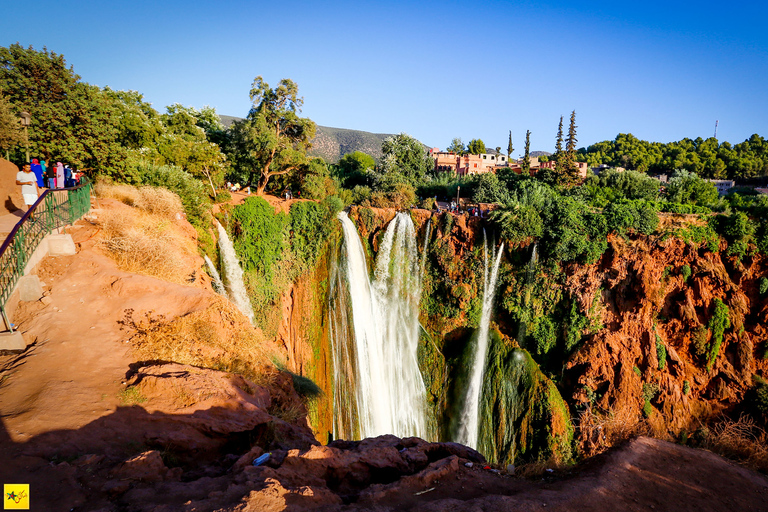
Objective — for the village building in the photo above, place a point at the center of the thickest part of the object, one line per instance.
(723, 186)
(582, 166)
(464, 165)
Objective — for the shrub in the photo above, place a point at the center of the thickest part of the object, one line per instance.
(158, 201)
(361, 195)
(428, 203)
(719, 322)
(191, 191)
(650, 389)
(259, 236)
(222, 197)
(685, 271)
(686, 387)
(544, 335)
(400, 196)
(310, 229)
(699, 342)
(661, 353)
(762, 285)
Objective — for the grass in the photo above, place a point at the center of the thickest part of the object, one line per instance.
(155, 200)
(740, 440)
(600, 430)
(131, 395)
(146, 243)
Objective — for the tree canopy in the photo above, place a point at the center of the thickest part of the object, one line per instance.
(708, 158)
(273, 140)
(476, 147)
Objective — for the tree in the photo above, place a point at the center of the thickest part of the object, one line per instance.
(526, 167)
(273, 140)
(476, 147)
(510, 147)
(404, 160)
(71, 120)
(559, 147)
(354, 167)
(11, 133)
(687, 187)
(566, 171)
(457, 146)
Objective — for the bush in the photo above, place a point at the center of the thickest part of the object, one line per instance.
(719, 322)
(699, 342)
(544, 335)
(189, 189)
(686, 387)
(361, 195)
(762, 285)
(158, 201)
(685, 271)
(428, 203)
(640, 216)
(650, 389)
(222, 197)
(400, 196)
(661, 353)
(259, 236)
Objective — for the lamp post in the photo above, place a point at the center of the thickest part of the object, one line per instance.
(26, 120)
(458, 189)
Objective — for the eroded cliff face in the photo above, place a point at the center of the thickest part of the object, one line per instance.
(632, 336)
(657, 355)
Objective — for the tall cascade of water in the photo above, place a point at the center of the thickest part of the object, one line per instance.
(468, 424)
(424, 251)
(378, 368)
(217, 284)
(233, 274)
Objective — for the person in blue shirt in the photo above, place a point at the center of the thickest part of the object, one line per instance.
(39, 174)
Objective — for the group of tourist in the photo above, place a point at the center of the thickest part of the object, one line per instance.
(36, 175)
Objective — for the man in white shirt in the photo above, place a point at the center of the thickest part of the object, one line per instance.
(28, 181)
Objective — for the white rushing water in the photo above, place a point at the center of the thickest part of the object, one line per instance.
(233, 274)
(217, 284)
(468, 424)
(389, 392)
(424, 250)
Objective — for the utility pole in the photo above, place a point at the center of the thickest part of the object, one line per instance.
(458, 189)
(716, 121)
(26, 120)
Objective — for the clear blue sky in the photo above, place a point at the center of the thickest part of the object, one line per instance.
(436, 70)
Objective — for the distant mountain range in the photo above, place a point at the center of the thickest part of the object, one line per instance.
(332, 143)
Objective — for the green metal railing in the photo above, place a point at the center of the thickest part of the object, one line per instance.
(54, 209)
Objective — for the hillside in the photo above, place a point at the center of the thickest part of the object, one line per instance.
(332, 143)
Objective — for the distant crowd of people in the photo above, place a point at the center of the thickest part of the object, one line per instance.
(37, 175)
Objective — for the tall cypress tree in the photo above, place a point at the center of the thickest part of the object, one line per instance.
(510, 147)
(527, 158)
(569, 167)
(559, 147)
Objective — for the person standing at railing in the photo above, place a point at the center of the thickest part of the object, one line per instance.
(28, 181)
(50, 176)
(38, 170)
(59, 175)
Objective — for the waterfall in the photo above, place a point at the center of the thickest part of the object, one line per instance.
(468, 425)
(424, 251)
(377, 368)
(529, 275)
(216, 278)
(233, 274)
